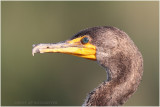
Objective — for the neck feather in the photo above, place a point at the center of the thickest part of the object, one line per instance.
(124, 75)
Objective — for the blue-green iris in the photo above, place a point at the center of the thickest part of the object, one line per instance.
(84, 40)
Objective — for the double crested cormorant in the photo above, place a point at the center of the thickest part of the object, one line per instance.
(113, 50)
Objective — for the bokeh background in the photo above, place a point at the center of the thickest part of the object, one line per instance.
(60, 79)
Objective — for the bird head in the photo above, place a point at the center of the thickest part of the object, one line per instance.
(89, 43)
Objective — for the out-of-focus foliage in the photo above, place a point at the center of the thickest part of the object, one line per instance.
(59, 79)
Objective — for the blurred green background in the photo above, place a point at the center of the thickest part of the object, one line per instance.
(60, 79)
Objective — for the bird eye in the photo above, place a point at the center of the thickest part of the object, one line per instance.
(84, 40)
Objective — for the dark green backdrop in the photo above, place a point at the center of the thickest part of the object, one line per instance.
(59, 79)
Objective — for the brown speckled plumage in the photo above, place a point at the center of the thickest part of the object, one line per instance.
(123, 62)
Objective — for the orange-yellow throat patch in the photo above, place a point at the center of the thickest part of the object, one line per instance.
(73, 47)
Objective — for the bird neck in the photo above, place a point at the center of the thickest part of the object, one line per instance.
(124, 75)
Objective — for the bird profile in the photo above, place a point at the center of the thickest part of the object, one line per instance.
(113, 50)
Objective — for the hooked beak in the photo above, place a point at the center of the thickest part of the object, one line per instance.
(72, 47)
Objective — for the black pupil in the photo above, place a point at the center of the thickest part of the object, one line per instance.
(85, 40)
